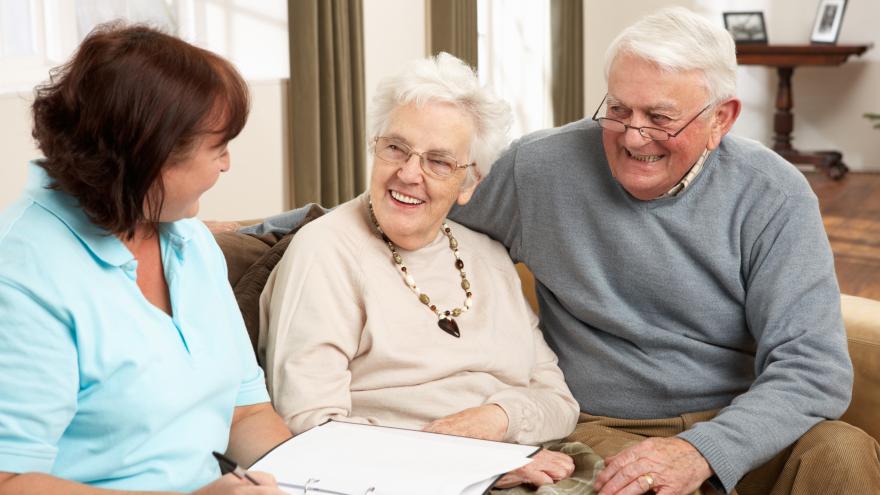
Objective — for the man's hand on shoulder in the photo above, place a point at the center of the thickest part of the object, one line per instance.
(668, 466)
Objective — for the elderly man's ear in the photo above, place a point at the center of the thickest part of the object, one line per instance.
(723, 117)
(467, 189)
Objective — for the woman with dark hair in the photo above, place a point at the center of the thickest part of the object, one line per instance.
(124, 361)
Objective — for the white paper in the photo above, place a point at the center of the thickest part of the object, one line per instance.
(350, 458)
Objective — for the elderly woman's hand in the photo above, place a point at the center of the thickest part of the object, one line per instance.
(488, 422)
(547, 467)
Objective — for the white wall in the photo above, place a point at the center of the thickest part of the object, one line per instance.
(828, 101)
(394, 32)
(254, 186)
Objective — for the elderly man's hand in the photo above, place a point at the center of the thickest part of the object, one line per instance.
(546, 467)
(669, 466)
(488, 422)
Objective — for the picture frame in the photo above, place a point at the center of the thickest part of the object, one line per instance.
(746, 27)
(829, 17)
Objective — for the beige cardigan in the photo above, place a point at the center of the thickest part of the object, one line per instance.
(342, 336)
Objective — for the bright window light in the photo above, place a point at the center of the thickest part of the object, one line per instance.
(514, 58)
(36, 35)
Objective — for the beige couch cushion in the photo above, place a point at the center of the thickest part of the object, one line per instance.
(862, 319)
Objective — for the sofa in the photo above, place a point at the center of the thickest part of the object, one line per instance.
(250, 259)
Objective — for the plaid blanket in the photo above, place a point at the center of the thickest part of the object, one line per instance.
(587, 465)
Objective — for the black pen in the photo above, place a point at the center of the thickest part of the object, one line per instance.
(230, 465)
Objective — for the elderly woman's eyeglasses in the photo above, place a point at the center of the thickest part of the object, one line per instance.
(434, 163)
(651, 133)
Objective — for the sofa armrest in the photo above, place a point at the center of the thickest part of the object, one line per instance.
(861, 317)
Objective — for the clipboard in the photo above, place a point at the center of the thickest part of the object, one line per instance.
(342, 458)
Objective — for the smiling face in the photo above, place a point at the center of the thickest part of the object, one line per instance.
(641, 94)
(409, 204)
(186, 180)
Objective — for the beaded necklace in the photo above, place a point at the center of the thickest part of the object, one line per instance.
(444, 318)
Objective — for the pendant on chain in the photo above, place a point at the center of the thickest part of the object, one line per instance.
(444, 318)
(449, 326)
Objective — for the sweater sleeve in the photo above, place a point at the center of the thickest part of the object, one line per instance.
(313, 326)
(802, 367)
(545, 409)
(494, 208)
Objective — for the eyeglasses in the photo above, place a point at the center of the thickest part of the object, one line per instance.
(651, 133)
(434, 163)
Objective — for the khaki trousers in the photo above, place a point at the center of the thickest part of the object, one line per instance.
(832, 457)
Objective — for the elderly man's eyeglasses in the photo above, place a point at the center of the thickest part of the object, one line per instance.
(434, 163)
(651, 133)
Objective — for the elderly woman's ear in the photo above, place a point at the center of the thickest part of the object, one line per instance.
(469, 185)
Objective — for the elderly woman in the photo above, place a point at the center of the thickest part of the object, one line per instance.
(384, 312)
(123, 359)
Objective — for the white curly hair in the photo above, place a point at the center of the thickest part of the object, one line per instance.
(445, 79)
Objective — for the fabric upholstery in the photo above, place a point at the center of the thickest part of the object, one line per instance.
(250, 259)
(862, 319)
(241, 251)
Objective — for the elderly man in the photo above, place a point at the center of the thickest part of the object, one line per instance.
(685, 280)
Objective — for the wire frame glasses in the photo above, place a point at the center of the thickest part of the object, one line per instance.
(652, 133)
(434, 163)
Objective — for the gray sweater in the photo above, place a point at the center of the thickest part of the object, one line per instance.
(721, 297)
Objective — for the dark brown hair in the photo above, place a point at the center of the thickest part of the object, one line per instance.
(129, 101)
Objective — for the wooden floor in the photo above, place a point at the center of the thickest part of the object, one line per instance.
(851, 212)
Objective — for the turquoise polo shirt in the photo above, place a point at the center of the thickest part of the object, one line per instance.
(97, 385)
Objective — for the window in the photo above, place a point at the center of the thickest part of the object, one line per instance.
(26, 52)
(36, 35)
(514, 56)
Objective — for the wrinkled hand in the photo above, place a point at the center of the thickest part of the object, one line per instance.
(230, 485)
(675, 466)
(546, 467)
(488, 422)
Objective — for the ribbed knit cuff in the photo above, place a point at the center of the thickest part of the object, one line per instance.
(519, 411)
(715, 456)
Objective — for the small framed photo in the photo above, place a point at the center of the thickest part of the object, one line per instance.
(828, 20)
(746, 27)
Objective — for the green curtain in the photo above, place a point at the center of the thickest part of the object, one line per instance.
(453, 28)
(567, 33)
(326, 101)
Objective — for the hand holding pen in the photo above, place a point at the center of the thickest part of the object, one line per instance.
(233, 468)
(239, 481)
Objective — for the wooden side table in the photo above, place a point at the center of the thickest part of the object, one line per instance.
(786, 58)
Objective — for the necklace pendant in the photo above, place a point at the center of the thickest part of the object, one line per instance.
(449, 326)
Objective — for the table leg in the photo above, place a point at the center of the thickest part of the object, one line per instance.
(783, 124)
(783, 120)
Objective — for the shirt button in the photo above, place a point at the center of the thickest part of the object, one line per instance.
(130, 269)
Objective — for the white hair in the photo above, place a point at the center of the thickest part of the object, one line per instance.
(445, 79)
(678, 40)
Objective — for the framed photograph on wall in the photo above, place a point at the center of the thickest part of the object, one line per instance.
(746, 27)
(828, 20)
